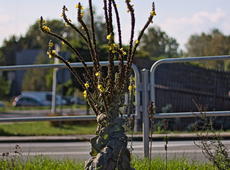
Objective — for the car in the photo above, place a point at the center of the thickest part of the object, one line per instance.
(46, 97)
(34, 98)
(77, 100)
(26, 101)
(2, 104)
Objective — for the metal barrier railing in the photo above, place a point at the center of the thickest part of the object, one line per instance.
(79, 65)
(178, 60)
(49, 118)
(153, 98)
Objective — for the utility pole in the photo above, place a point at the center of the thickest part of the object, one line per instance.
(54, 84)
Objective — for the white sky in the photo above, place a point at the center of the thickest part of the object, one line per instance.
(178, 18)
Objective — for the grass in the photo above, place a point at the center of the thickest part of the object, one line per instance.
(45, 128)
(177, 164)
(43, 163)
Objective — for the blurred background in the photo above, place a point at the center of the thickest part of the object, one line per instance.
(180, 29)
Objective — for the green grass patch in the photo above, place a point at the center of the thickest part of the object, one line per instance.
(46, 128)
(42, 163)
(178, 164)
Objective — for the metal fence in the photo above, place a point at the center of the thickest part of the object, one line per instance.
(180, 87)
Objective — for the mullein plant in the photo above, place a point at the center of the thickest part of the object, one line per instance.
(105, 92)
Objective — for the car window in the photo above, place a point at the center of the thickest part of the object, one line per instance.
(28, 101)
(49, 97)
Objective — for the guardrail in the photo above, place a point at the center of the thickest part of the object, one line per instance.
(178, 60)
(79, 65)
(49, 118)
(152, 96)
(93, 117)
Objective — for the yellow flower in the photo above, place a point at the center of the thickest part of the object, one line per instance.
(122, 51)
(137, 42)
(85, 94)
(131, 87)
(46, 28)
(86, 85)
(53, 52)
(114, 45)
(62, 42)
(97, 74)
(51, 44)
(153, 13)
(100, 88)
(108, 37)
(50, 56)
(79, 7)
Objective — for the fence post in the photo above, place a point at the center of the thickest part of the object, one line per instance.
(145, 101)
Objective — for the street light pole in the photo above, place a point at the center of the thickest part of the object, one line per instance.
(54, 84)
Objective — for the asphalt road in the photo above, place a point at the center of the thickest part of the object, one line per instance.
(80, 150)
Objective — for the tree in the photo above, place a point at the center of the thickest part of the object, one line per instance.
(210, 44)
(156, 43)
(8, 50)
(105, 91)
(4, 88)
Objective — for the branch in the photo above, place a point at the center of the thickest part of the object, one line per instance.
(118, 23)
(131, 10)
(137, 42)
(92, 27)
(110, 37)
(72, 25)
(149, 21)
(121, 52)
(52, 53)
(48, 31)
(92, 50)
(106, 16)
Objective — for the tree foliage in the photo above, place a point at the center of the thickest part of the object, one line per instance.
(33, 39)
(4, 87)
(210, 44)
(156, 43)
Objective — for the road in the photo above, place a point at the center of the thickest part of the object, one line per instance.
(80, 150)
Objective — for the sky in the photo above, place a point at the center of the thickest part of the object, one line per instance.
(178, 18)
